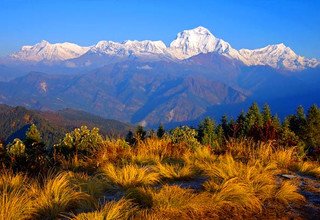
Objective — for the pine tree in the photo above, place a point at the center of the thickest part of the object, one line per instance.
(225, 125)
(254, 121)
(241, 124)
(313, 128)
(276, 122)
(266, 113)
(140, 133)
(206, 132)
(161, 131)
(287, 137)
(130, 138)
(220, 135)
(298, 123)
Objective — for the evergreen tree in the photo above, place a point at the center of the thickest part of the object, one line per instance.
(276, 122)
(161, 131)
(225, 125)
(241, 124)
(298, 123)
(130, 138)
(266, 113)
(287, 137)
(313, 128)
(206, 132)
(140, 133)
(220, 135)
(253, 122)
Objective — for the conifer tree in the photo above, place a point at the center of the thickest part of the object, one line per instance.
(140, 133)
(130, 138)
(241, 124)
(287, 137)
(220, 135)
(161, 131)
(266, 113)
(206, 132)
(225, 125)
(298, 123)
(313, 128)
(254, 121)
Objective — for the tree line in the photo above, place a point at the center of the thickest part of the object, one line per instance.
(301, 130)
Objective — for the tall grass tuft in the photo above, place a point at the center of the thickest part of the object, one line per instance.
(176, 171)
(287, 193)
(308, 168)
(130, 175)
(122, 209)
(58, 195)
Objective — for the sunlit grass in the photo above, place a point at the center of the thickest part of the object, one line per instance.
(288, 193)
(175, 171)
(308, 168)
(122, 209)
(241, 178)
(57, 196)
(15, 204)
(130, 175)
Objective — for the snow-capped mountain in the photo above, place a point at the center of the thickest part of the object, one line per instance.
(128, 48)
(276, 56)
(199, 40)
(188, 43)
(44, 51)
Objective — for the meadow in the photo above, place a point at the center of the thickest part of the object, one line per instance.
(168, 175)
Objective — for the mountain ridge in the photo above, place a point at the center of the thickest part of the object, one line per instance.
(188, 43)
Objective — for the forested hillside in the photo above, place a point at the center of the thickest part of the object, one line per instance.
(15, 121)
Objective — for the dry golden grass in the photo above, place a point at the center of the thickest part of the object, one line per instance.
(242, 179)
(176, 171)
(235, 194)
(15, 204)
(288, 193)
(120, 210)
(130, 175)
(308, 168)
(173, 199)
(57, 196)
(11, 182)
(15, 200)
(284, 157)
(94, 186)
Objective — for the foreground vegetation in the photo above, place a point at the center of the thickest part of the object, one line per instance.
(203, 173)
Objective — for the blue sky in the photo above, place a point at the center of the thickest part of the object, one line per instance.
(244, 24)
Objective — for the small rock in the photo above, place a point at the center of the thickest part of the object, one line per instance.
(288, 176)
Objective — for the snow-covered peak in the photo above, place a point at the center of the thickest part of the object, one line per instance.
(130, 48)
(276, 56)
(199, 40)
(188, 43)
(44, 51)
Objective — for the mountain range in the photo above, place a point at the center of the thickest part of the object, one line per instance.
(149, 82)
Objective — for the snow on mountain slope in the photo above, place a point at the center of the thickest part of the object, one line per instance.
(44, 51)
(276, 56)
(199, 40)
(146, 48)
(188, 43)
